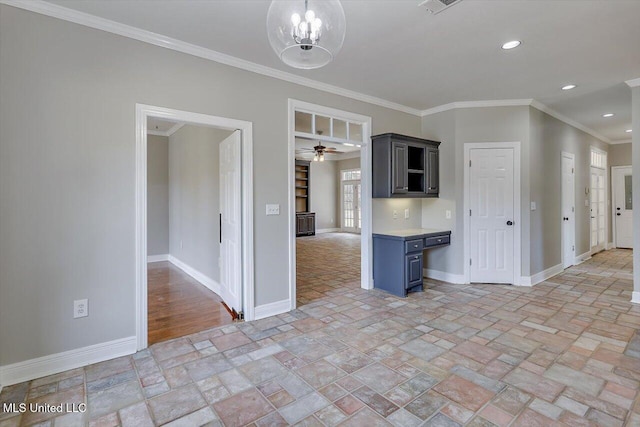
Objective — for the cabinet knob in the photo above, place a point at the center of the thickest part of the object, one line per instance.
(405, 188)
(415, 246)
(432, 188)
(415, 257)
(439, 240)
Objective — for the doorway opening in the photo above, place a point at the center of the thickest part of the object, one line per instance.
(492, 199)
(330, 201)
(194, 234)
(568, 190)
(621, 177)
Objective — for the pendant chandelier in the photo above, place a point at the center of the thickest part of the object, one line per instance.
(306, 34)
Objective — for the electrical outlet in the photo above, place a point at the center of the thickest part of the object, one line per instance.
(273, 209)
(395, 214)
(447, 214)
(80, 308)
(406, 214)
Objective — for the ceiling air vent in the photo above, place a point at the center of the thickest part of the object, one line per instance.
(437, 6)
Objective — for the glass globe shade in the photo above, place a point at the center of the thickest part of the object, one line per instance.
(326, 22)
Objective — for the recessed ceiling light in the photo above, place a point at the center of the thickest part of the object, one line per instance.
(628, 131)
(569, 87)
(511, 45)
(607, 115)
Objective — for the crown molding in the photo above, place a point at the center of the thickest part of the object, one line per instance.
(553, 113)
(91, 21)
(476, 104)
(621, 141)
(87, 20)
(156, 133)
(633, 82)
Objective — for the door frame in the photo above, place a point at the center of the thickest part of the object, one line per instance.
(366, 245)
(613, 203)
(517, 256)
(575, 195)
(143, 112)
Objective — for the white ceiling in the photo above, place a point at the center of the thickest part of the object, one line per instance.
(396, 51)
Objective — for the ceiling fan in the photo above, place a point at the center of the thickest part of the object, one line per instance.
(319, 151)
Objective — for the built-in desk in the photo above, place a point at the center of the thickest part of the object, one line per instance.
(398, 259)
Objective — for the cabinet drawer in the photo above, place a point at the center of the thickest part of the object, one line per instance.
(413, 246)
(436, 241)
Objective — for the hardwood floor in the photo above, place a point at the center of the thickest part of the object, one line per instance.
(178, 305)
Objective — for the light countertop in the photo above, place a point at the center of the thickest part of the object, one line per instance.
(411, 232)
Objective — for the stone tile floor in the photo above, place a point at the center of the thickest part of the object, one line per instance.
(564, 352)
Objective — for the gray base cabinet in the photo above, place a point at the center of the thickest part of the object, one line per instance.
(398, 260)
(404, 166)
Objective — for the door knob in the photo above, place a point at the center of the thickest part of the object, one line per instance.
(509, 222)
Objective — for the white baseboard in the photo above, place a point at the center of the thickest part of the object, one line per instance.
(327, 230)
(202, 278)
(271, 309)
(60, 362)
(635, 297)
(444, 276)
(541, 276)
(609, 246)
(158, 258)
(582, 258)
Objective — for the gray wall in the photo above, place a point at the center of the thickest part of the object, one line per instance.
(542, 139)
(68, 193)
(620, 155)
(194, 194)
(549, 138)
(157, 195)
(324, 193)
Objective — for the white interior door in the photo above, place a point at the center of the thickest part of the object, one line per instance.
(622, 206)
(491, 197)
(568, 210)
(598, 210)
(230, 222)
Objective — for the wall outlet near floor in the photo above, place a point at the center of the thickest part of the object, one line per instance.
(80, 308)
(447, 214)
(395, 214)
(406, 214)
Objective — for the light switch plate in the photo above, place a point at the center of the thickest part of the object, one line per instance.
(406, 214)
(447, 214)
(273, 209)
(533, 206)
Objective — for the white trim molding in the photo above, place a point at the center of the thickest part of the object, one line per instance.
(621, 141)
(200, 277)
(541, 276)
(553, 113)
(143, 112)
(476, 104)
(633, 82)
(582, 258)
(444, 276)
(272, 309)
(158, 258)
(635, 297)
(91, 21)
(366, 245)
(60, 362)
(610, 245)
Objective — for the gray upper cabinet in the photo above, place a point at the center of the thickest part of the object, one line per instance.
(404, 166)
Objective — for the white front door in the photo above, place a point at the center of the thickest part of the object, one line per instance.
(491, 197)
(568, 210)
(598, 210)
(622, 206)
(230, 222)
